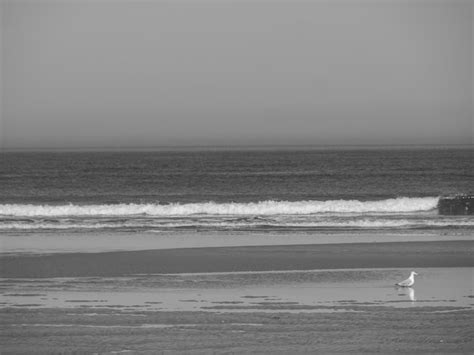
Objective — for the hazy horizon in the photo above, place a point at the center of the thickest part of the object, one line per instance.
(152, 74)
(223, 148)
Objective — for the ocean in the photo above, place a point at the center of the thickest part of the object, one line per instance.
(232, 190)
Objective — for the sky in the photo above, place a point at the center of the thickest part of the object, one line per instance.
(118, 74)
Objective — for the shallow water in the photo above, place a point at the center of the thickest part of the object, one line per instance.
(289, 291)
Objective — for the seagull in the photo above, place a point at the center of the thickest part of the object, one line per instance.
(408, 282)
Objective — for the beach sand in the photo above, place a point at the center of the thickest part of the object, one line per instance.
(245, 258)
(106, 241)
(261, 299)
(380, 330)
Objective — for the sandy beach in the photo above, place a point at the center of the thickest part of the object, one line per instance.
(259, 299)
(419, 330)
(245, 258)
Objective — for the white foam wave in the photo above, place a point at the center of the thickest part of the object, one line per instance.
(396, 205)
(362, 223)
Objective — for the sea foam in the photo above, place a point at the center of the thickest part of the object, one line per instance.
(276, 225)
(262, 208)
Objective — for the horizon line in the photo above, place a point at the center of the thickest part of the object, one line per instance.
(232, 147)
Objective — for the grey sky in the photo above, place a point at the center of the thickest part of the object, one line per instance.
(152, 73)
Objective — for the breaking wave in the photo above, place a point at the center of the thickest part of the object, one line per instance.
(262, 208)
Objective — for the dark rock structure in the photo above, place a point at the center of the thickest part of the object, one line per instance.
(457, 205)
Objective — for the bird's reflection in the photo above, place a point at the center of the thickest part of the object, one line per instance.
(407, 291)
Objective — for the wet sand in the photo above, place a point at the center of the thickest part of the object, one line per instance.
(253, 258)
(108, 241)
(241, 314)
(380, 330)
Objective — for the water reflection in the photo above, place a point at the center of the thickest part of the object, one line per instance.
(407, 291)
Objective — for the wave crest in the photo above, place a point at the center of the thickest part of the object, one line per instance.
(395, 205)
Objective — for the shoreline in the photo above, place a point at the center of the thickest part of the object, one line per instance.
(93, 242)
(241, 258)
(329, 311)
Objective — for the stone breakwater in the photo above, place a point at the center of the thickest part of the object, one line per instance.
(457, 205)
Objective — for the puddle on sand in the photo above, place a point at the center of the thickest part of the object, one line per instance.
(288, 291)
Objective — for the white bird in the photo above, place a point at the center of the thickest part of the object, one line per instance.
(408, 282)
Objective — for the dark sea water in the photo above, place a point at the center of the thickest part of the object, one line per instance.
(233, 190)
